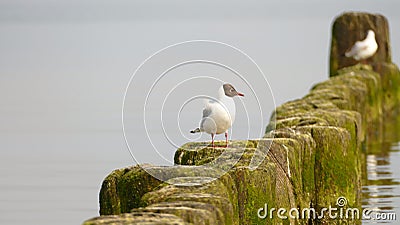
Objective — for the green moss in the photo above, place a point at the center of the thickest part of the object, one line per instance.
(390, 78)
(222, 205)
(255, 189)
(220, 194)
(109, 198)
(200, 153)
(123, 189)
(337, 166)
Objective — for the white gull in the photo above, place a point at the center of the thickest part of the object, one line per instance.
(364, 49)
(219, 115)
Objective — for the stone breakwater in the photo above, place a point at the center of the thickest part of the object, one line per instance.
(312, 152)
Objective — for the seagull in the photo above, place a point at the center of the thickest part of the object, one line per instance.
(364, 49)
(219, 114)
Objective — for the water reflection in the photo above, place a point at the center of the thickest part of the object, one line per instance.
(381, 190)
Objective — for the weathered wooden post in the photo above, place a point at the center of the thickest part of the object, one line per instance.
(350, 27)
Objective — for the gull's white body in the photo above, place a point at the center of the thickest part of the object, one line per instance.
(218, 116)
(364, 49)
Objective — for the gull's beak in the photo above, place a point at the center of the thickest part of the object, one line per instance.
(240, 94)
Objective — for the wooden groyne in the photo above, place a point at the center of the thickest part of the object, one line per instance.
(311, 154)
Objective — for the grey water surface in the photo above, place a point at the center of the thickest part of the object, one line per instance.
(381, 191)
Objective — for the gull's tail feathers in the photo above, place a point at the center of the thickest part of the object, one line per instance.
(197, 130)
(350, 53)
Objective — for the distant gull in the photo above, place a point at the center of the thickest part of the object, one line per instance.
(364, 49)
(219, 115)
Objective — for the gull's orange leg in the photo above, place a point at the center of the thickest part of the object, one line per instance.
(226, 139)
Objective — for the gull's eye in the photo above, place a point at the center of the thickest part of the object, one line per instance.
(232, 90)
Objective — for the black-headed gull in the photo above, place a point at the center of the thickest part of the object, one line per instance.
(364, 49)
(218, 116)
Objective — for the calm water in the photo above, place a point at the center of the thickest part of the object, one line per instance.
(381, 175)
(381, 188)
(64, 67)
(55, 178)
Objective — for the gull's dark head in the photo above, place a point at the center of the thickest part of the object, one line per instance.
(230, 91)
